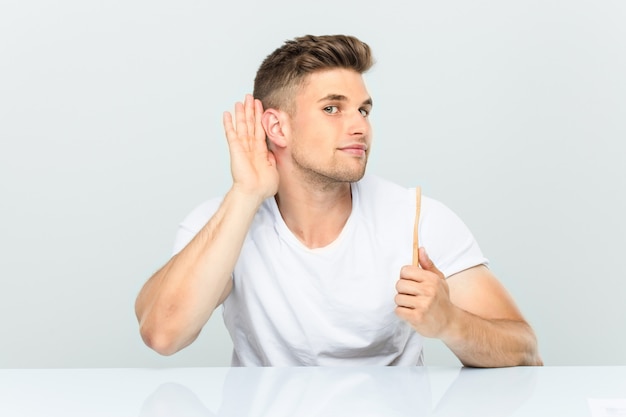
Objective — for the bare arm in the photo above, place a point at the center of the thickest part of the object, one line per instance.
(470, 312)
(487, 316)
(176, 302)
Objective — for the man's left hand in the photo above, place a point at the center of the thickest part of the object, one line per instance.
(423, 298)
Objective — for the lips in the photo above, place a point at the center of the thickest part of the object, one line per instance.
(358, 149)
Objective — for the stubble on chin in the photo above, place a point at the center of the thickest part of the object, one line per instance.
(330, 177)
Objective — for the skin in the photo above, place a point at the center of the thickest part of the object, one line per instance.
(313, 156)
(319, 150)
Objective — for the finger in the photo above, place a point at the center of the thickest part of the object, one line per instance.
(259, 131)
(412, 273)
(250, 112)
(404, 313)
(427, 264)
(408, 287)
(229, 129)
(405, 301)
(240, 121)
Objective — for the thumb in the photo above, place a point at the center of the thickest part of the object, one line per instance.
(427, 264)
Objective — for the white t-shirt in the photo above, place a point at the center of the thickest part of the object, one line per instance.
(291, 305)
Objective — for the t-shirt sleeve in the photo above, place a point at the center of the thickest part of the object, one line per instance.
(447, 240)
(195, 220)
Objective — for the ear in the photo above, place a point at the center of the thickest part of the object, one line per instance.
(274, 123)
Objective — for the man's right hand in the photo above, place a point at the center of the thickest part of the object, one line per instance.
(176, 302)
(253, 166)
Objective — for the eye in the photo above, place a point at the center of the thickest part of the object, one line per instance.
(331, 109)
(364, 112)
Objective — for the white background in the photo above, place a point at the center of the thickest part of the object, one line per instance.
(510, 112)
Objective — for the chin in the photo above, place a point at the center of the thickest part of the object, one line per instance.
(334, 175)
(352, 176)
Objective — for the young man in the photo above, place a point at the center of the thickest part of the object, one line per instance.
(310, 258)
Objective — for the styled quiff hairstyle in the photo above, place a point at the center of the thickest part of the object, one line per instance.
(285, 69)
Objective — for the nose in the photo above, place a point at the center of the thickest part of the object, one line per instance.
(358, 124)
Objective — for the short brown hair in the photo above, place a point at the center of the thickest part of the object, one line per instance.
(285, 69)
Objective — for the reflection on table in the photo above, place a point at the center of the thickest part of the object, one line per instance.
(346, 391)
(275, 392)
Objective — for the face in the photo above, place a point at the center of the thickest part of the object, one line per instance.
(330, 132)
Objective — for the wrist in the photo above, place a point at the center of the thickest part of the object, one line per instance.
(455, 328)
(241, 198)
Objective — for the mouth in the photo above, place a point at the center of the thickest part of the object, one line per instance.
(357, 149)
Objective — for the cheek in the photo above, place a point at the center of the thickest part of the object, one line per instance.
(315, 134)
(314, 137)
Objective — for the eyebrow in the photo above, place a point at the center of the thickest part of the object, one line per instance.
(341, 97)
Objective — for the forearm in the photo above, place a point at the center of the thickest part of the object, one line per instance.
(177, 300)
(483, 342)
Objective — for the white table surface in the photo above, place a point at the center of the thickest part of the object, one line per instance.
(376, 391)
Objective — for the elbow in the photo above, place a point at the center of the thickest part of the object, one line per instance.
(533, 359)
(530, 358)
(155, 332)
(527, 349)
(159, 341)
(166, 341)
(165, 329)
(524, 359)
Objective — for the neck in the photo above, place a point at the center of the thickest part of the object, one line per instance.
(315, 216)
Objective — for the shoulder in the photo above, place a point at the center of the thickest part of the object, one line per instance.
(373, 192)
(373, 189)
(201, 214)
(373, 184)
(194, 221)
(447, 239)
(380, 193)
(434, 212)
